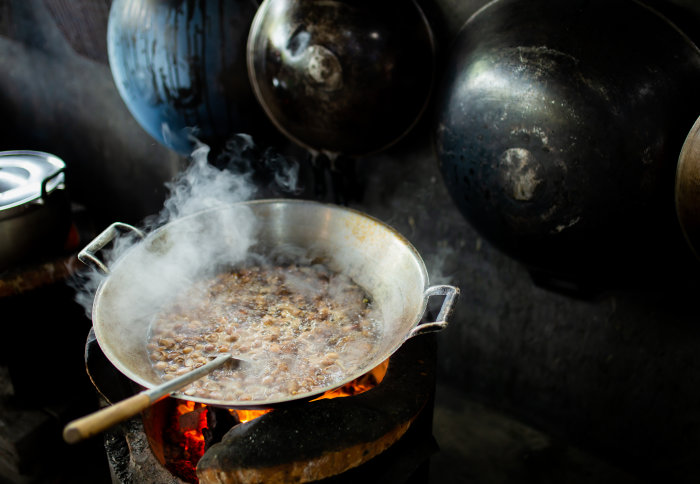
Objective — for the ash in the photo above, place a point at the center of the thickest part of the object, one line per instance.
(130, 458)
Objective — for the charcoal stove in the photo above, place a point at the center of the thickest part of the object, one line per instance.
(382, 434)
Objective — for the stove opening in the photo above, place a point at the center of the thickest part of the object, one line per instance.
(180, 432)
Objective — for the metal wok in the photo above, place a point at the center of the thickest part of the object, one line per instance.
(340, 76)
(373, 254)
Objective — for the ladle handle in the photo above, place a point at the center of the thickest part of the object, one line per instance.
(88, 255)
(99, 421)
(85, 427)
(450, 293)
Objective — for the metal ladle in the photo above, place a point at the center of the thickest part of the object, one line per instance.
(96, 422)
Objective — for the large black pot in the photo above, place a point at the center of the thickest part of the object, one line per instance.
(558, 128)
(180, 67)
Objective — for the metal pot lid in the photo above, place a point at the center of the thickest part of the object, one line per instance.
(27, 177)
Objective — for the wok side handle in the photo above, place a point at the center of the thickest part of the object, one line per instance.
(451, 293)
(88, 255)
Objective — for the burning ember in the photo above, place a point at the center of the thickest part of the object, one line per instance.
(188, 432)
(244, 416)
(360, 385)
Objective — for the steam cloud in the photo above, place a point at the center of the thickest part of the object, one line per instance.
(202, 244)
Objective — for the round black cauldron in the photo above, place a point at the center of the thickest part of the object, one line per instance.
(558, 129)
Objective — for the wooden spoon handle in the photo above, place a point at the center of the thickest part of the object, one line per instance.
(96, 422)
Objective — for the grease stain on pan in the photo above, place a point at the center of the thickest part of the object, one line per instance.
(364, 229)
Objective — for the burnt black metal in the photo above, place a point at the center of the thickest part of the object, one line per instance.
(342, 76)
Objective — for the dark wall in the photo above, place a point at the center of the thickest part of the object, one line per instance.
(618, 374)
(58, 100)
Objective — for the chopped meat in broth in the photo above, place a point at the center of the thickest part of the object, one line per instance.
(304, 328)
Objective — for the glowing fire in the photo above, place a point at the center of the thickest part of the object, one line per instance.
(360, 385)
(188, 435)
(248, 415)
(193, 435)
(191, 422)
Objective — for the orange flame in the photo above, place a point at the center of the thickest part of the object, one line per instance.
(191, 419)
(194, 439)
(248, 415)
(360, 385)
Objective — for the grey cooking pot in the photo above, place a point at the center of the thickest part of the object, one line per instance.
(34, 205)
(150, 273)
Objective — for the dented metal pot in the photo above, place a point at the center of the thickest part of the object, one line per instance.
(34, 205)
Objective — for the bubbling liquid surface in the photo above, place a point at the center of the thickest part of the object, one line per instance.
(303, 328)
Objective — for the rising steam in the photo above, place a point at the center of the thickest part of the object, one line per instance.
(202, 244)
